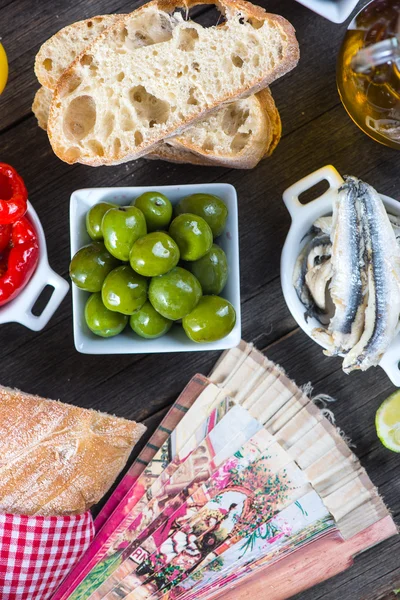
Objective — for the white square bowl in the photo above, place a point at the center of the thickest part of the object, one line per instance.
(334, 10)
(175, 340)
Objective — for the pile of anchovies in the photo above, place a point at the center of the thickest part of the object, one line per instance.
(348, 276)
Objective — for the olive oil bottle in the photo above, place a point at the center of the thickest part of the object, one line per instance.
(368, 71)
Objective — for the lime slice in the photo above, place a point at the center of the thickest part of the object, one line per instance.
(387, 422)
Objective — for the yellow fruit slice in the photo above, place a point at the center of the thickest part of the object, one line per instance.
(387, 422)
(3, 68)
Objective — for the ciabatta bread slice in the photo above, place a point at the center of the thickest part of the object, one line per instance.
(115, 102)
(238, 135)
(58, 459)
(62, 48)
(41, 106)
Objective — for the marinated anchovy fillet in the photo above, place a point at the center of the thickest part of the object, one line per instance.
(317, 280)
(347, 287)
(382, 255)
(315, 253)
(323, 224)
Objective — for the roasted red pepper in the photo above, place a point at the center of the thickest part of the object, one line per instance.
(13, 195)
(19, 259)
(5, 235)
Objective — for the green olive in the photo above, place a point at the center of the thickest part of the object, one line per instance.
(90, 266)
(154, 254)
(192, 234)
(211, 320)
(211, 208)
(124, 290)
(100, 320)
(157, 210)
(211, 270)
(174, 294)
(121, 227)
(94, 217)
(148, 323)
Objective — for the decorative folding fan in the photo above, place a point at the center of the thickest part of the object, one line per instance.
(245, 484)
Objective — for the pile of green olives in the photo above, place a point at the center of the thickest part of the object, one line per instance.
(150, 266)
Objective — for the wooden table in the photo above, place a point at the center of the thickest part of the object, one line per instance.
(316, 131)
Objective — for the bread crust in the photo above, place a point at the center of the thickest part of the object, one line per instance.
(58, 459)
(41, 106)
(179, 156)
(275, 121)
(228, 8)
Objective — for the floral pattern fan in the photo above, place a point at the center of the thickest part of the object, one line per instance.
(244, 481)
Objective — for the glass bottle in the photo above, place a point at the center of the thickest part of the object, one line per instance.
(368, 71)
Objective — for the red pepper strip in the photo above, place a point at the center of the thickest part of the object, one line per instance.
(13, 195)
(23, 231)
(5, 235)
(22, 260)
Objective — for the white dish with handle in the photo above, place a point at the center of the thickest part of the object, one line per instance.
(19, 310)
(303, 216)
(333, 10)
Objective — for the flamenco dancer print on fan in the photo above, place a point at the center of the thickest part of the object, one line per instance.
(235, 510)
(187, 545)
(242, 497)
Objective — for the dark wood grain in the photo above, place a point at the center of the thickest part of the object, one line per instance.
(316, 131)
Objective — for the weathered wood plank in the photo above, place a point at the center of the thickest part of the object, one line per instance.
(317, 131)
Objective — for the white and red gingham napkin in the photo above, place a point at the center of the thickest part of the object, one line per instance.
(36, 553)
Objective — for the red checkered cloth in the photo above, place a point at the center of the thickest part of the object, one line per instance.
(36, 553)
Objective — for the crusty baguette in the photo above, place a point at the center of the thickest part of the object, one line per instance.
(62, 48)
(58, 459)
(116, 101)
(238, 135)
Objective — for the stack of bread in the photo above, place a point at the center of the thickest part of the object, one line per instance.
(155, 83)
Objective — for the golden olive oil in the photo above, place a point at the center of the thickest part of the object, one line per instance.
(372, 98)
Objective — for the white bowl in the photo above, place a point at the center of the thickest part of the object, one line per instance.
(334, 10)
(303, 216)
(19, 310)
(175, 340)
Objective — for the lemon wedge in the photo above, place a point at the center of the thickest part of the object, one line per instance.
(3, 68)
(387, 422)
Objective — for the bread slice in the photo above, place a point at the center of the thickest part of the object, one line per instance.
(61, 49)
(58, 459)
(238, 135)
(116, 101)
(41, 106)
